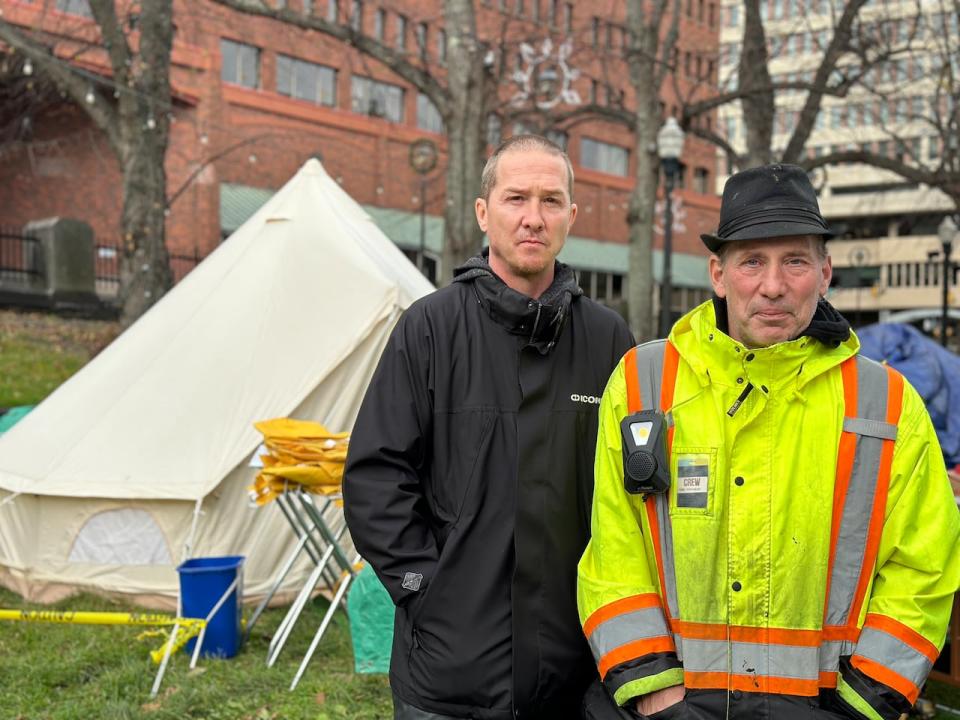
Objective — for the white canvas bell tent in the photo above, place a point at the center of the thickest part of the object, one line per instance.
(145, 451)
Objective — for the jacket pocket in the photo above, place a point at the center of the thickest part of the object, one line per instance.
(460, 446)
(694, 476)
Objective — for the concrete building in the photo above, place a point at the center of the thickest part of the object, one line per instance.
(255, 97)
(887, 258)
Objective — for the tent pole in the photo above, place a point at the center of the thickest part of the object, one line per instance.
(188, 545)
(9, 498)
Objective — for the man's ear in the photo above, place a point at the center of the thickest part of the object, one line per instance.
(716, 276)
(480, 207)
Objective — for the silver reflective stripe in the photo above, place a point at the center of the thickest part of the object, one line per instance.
(649, 376)
(649, 372)
(871, 428)
(894, 654)
(858, 505)
(627, 628)
(760, 659)
(830, 652)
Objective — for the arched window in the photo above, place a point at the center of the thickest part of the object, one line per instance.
(121, 537)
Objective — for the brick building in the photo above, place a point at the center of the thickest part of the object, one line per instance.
(255, 97)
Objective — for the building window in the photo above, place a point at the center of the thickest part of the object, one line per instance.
(554, 12)
(535, 11)
(356, 15)
(494, 129)
(375, 98)
(401, 39)
(701, 180)
(604, 157)
(380, 24)
(75, 7)
(241, 63)
(442, 45)
(422, 34)
(308, 7)
(306, 81)
(568, 17)
(521, 9)
(333, 10)
(428, 117)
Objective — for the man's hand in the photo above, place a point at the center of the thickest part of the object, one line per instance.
(660, 700)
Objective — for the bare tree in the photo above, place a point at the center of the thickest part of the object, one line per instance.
(861, 59)
(648, 58)
(131, 107)
(463, 95)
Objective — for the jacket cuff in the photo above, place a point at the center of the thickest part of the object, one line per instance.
(864, 698)
(643, 676)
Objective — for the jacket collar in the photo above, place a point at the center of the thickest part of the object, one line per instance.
(717, 358)
(539, 320)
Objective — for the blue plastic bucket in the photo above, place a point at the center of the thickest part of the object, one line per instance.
(202, 582)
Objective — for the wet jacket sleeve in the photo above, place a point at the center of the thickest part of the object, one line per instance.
(918, 570)
(384, 502)
(618, 593)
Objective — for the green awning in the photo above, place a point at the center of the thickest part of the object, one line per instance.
(239, 202)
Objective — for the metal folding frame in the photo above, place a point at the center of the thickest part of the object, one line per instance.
(309, 520)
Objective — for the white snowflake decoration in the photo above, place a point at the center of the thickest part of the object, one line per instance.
(679, 215)
(534, 61)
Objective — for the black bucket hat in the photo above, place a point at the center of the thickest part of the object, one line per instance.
(768, 202)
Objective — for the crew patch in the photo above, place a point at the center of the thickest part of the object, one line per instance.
(693, 480)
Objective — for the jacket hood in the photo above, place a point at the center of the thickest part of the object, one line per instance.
(715, 357)
(541, 320)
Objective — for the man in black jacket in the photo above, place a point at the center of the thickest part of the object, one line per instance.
(469, 479)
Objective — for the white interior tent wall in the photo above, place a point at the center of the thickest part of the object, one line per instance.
(287, 318)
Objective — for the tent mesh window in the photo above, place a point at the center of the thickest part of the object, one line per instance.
(121, 537)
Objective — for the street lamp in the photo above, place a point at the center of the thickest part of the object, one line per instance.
(669, 148)
(947, 231)
(423, 159)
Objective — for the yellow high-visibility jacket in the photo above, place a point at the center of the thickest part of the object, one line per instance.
(808, 540)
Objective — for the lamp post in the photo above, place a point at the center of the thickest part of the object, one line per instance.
(669, 148)
(947, 231)
(423, 159)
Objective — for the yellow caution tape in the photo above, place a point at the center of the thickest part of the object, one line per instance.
(188, 627)
(81, 617)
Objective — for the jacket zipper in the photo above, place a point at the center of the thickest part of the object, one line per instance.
(739, 401)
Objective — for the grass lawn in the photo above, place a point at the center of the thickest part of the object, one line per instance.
(74, 672)
(69, 672)
(38, 351)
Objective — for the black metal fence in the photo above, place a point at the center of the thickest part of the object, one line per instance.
(107, 267)
(19, 255)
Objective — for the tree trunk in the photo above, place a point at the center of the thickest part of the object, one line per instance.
(466, 122)
(643, 72)
(145, 264)
(754, 81)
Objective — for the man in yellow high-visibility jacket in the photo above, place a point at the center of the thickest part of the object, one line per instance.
(803, 561)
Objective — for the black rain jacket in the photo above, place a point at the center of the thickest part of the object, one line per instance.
(468, 488)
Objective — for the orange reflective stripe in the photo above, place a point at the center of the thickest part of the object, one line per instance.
(620, 607)
(668, 382)
(886, 676)
(633, 650)
(828, 679)
(894, 408)
(845, 456)
(742, 633)
(903, 633)
(634, 401)
(840, 632)
(750, 683)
